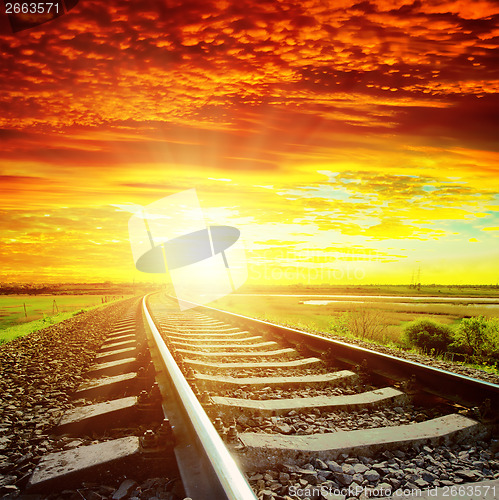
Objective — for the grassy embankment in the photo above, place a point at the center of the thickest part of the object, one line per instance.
(40, 312)
(394, 316)
(404, 290)
(385, 319)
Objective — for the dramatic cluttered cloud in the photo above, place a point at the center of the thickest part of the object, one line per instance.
(131, 101)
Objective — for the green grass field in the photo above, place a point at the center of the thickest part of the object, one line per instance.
(12, 307)
(425, 290)
(12, 332)
(392, 315)
(42, 311)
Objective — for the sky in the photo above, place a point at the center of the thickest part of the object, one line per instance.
(349, 142)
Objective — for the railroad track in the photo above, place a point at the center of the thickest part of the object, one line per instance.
(243, 409)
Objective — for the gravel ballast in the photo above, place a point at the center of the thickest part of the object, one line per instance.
(420, 468)
(324, 421)
(38, 374)
(304, 392)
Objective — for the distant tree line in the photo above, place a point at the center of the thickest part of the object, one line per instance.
(106, 288)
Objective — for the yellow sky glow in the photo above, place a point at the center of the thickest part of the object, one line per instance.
(350, 143)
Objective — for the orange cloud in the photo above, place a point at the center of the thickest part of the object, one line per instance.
(110, 104)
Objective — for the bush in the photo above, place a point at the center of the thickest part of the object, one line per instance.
(339, 325)
(367, 324)
(478, 336)
(429, 335)
(362, 323)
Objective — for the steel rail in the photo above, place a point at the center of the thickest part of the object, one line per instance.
(455, 387)
(206, 466)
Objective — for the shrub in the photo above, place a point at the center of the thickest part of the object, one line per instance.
(428, 335)
(367, 324)
(361, 323)
(339, 325)
(479, 336)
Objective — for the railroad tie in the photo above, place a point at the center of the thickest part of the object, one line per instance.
(333, 379)
(232, 346)
(265, 450)
(302, 362)
(216, 340)
(280, 353)
(371, 399)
